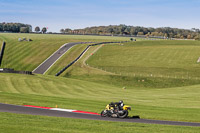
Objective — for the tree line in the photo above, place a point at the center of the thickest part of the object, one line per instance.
(20, 27)
(37, 29)
(164, 32)
(15, 27)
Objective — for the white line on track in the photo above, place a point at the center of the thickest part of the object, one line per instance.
(57, 59)
(49, 57)
(65, 110)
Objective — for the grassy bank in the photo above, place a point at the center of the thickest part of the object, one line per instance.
(27, 123)
(28, 55)
(155, 64)
(156, 58)
(179, 103)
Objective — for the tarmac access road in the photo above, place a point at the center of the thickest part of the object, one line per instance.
(43, 67)
(45, 112)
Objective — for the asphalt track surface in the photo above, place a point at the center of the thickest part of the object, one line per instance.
(42, 68)
(45, 112)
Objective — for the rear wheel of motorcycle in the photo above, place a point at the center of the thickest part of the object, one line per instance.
(103, 113)
(124, 115)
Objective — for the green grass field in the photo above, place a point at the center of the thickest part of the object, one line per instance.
(155, 64)
(159, 58)
(32, 124)
(161, 80)
(163, 104)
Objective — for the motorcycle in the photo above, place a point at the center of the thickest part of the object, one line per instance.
(115, 112)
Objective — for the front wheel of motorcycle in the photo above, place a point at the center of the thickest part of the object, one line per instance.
(124, 115)
(103, 113)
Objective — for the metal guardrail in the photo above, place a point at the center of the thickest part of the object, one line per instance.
(10, 70)
(70, 64)
(2, 52)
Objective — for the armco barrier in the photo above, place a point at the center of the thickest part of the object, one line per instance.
(2, 51)
(70, 64)
(10, 70)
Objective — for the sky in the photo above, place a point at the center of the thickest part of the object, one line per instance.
(74, 14)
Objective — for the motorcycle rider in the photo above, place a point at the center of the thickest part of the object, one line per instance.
(116, 110)
(120, 105)
(117, 105)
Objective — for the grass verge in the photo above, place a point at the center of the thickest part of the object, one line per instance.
(26, 123)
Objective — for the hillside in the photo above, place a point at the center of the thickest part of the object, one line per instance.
(99, 77)
(28, 55)
(149, 64)
(164, 104)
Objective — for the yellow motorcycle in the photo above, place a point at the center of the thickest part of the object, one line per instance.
(115, 112)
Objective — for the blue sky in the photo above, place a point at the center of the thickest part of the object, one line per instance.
(57, 14)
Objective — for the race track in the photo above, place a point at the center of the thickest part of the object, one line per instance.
(43, 67)
(45, 112)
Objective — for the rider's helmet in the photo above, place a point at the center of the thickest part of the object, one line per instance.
(120, 101)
